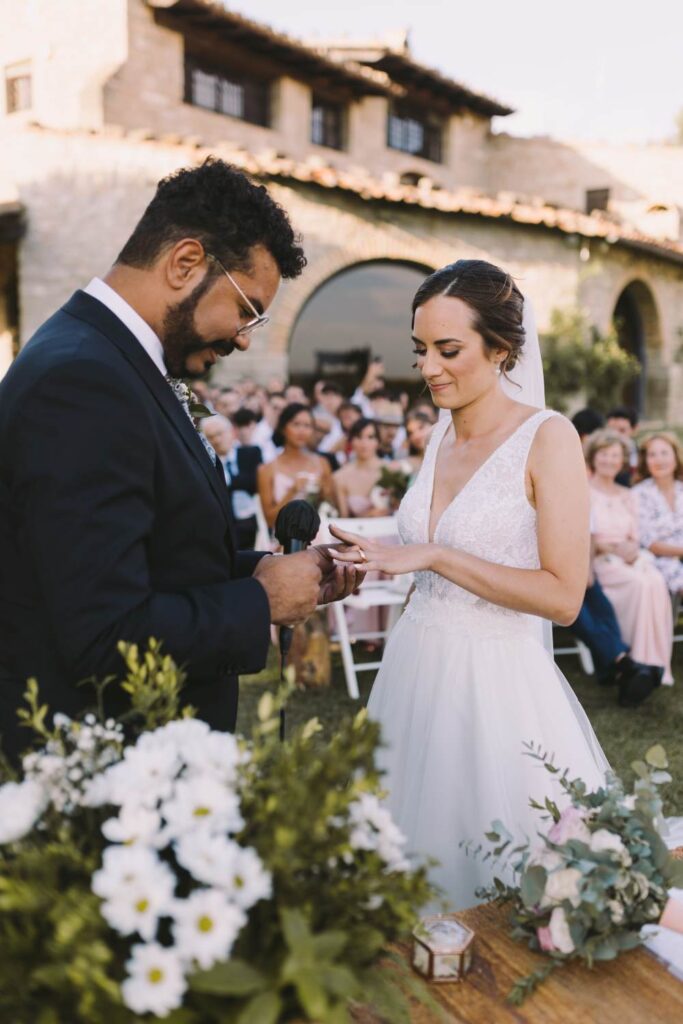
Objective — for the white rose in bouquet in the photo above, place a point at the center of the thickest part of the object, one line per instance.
(604, 841)
(564, 884)
(559, 931)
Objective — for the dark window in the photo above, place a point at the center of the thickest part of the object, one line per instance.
(18, 90)
(327, 124)
(238, 96)
(597, 199)
(414, 133)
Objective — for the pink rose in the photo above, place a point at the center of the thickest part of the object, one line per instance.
(545, 940)
(570, 826)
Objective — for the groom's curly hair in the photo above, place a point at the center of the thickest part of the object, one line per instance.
(492, 295)
(223, 209)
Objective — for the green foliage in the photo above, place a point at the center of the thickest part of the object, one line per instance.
(309, 952)
(154, 683)
(578, 359)
(395, 482)
(336, 908)
(623, 876)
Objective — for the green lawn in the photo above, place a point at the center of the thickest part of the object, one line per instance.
(625, 733)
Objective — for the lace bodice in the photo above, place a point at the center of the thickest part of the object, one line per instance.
(490, 517)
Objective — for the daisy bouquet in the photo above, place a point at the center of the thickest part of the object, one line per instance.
(177, 872)
(593, 879)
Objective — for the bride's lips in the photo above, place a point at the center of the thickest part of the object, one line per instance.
(438, 387)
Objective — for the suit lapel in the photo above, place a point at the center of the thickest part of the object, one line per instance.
(92, 311)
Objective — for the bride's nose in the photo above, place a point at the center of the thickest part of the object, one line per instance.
(431, 368)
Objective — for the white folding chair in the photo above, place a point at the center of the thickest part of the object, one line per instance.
(583, 654)
(264, 541)
(389, 593)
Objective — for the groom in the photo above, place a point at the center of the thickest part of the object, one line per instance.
(115, 519)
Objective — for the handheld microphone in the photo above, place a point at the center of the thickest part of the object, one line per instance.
(296, 526)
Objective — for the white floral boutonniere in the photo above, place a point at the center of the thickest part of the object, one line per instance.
(187, 398)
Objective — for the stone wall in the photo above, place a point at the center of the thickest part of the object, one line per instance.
(147, 93)
(73, 47)
(84, 193)
(638, 177)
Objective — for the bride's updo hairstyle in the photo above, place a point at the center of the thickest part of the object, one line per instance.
(493, 297)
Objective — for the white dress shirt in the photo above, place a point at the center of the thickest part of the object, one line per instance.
(132, 320)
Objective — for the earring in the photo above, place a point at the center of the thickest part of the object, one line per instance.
(498, 369)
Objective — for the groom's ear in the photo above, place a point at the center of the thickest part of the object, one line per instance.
(185, 265)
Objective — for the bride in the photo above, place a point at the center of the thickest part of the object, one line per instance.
(496, 531)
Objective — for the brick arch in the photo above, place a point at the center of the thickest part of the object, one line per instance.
(638, 327)
(330, 265)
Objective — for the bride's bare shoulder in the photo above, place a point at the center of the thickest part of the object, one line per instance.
(556, 438)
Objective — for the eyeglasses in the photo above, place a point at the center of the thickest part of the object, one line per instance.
(259, 319)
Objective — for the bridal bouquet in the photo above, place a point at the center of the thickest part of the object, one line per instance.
(393, 482)
(598, 875)
(180, 873)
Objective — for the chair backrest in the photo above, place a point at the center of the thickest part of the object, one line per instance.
(263, 542)
(373, 526)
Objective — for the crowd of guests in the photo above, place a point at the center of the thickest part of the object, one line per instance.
(278, 442)
(636, 577)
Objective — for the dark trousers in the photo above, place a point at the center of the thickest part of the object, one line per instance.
(246, 533)
(598, 629)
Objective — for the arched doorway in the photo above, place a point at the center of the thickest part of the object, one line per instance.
(360, 313)
(636, 322)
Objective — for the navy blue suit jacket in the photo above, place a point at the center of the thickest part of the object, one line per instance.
(114, 525)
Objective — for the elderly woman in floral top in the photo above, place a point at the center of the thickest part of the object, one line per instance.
(660, 505)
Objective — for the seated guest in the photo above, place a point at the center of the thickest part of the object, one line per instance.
(355, 482)
(587, 421)
(660, 505)
(227, 402)
(296, 395)
(418, 428)
(253, 429)
(597, 627)
(297, 472)
(323, 431)
(628, 575)
(240, 464)
(623, 420)
(388, 415)
(348, 414)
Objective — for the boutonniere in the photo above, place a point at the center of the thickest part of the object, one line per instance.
(195, 409)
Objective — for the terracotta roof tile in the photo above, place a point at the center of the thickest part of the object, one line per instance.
(528, 211)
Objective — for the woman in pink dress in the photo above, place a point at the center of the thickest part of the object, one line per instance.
(355, 482)
(626, 573)
(660, 505)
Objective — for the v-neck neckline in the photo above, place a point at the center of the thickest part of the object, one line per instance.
(478, 470)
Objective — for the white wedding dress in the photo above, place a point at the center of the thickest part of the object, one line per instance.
(465, 683)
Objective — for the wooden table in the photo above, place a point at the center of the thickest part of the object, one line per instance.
(635, 989)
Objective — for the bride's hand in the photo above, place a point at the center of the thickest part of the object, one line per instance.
(373, 556)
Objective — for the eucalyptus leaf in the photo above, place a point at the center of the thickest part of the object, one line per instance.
(533, 885)
(656, 756)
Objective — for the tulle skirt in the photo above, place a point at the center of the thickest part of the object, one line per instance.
(456, 709)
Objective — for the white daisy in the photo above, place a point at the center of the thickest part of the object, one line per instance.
(124, 867)
(133, 825)
(21, 804)
(155, 983)
(205, 927)
(201, 802)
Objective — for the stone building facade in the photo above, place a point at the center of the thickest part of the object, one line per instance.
(375, 158)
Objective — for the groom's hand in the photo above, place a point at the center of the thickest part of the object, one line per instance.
(292, 584)
(338, 581)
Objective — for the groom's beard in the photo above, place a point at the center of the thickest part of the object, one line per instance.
(181, 338)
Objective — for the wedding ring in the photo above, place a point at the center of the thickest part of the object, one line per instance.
(362, 554)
